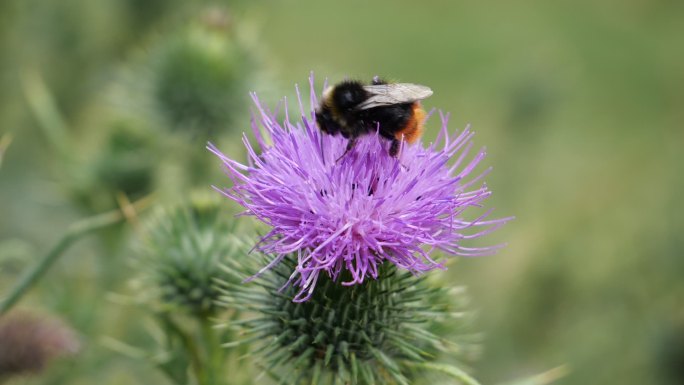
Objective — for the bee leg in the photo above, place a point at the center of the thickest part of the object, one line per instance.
(350, 145)
(394, 148)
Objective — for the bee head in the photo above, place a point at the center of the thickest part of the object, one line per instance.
(324, 116)
(347, 95)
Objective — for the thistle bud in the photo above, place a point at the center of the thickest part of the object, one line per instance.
(123, 163)
(379, 331)
(201, 77)
(182, 248)
(28, 342)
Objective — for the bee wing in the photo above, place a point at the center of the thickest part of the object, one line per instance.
(395, 93)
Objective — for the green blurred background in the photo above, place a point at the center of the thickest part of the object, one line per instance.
(578, 102)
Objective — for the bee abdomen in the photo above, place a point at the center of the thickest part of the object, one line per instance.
(413, 127)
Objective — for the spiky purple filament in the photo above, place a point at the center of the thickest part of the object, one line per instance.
(366, 208)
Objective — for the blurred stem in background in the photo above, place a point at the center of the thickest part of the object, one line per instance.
(75, 232)
(215, 354)
(5, 141)
(45, 110)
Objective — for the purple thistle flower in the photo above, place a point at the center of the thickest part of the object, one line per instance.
(362, 210)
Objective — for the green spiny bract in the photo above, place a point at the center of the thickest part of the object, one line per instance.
(381, 331)
(181, 254)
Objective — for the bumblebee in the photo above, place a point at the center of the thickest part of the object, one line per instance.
(353, 109)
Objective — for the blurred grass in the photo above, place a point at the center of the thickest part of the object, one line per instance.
(579, 105)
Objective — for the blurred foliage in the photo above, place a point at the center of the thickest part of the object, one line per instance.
(579, 104)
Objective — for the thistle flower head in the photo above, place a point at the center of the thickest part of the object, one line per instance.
(368, 207)
(181, 253)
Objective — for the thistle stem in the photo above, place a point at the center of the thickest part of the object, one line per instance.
(172, 328)
(214, 353)
(75, 232)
